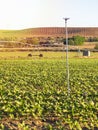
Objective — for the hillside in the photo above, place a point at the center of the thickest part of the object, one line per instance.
(50, 31)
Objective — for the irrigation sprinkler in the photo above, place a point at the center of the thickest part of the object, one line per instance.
(67, 64)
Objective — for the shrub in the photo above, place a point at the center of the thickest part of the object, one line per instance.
(40, 55)
(29, 55)
(96, 46)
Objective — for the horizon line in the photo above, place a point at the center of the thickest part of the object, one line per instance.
(48, 27)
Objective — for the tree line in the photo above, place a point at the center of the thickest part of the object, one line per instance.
(29, 41)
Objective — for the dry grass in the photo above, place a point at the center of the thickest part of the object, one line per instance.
(46, 55)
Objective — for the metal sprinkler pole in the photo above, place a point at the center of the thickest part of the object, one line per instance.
(67, 64)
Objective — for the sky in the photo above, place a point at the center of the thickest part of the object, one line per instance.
(22, 14)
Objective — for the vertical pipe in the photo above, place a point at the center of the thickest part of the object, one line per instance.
(67, 64)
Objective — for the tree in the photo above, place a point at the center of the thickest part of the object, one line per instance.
(35, 41)
(64, 41)
(96, 46)
(70, 41)
(75, 40)
(58, 39)
(78, 40)
(50, 39)
(31, 40)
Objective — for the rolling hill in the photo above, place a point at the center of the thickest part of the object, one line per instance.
(50, 31)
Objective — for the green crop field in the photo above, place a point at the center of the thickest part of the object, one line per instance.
(34, 96)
